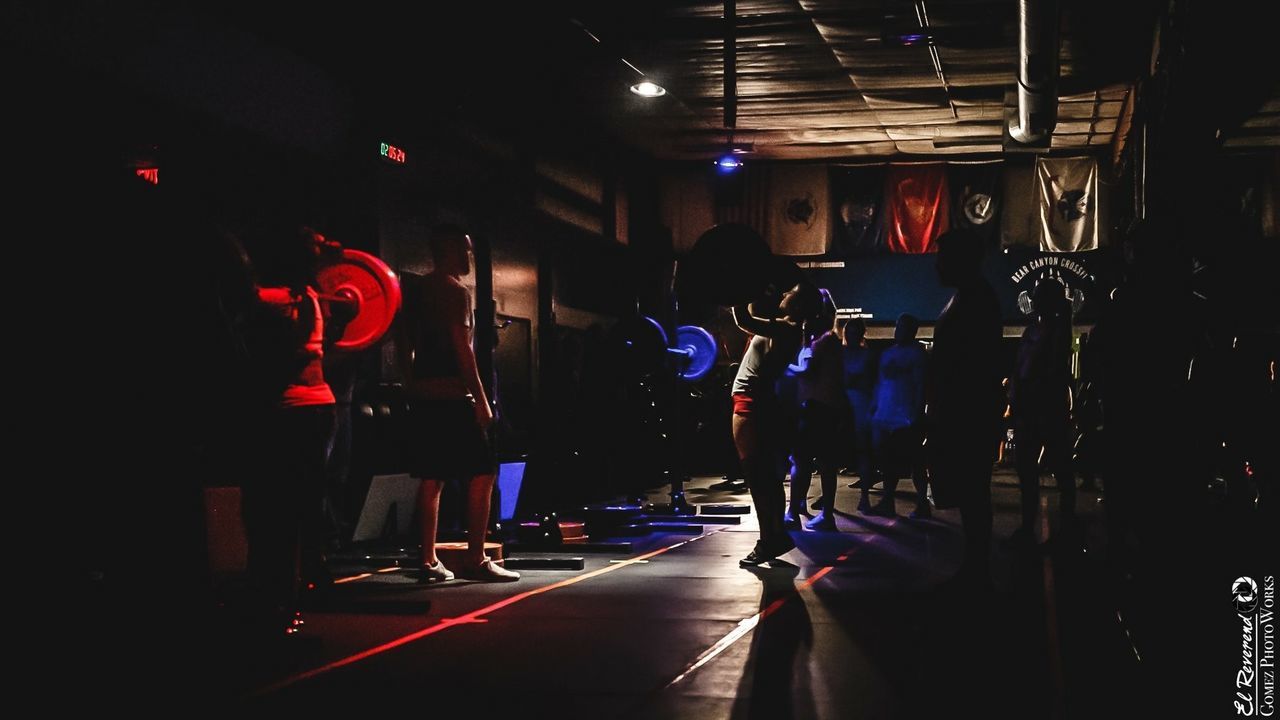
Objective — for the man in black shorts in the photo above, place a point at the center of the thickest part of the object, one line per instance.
(449, 413)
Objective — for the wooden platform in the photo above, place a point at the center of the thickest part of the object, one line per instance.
(452, 553)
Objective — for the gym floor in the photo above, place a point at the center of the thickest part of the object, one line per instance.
(848, 625)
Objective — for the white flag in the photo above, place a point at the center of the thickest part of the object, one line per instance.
(1067, 196)
(800, 221)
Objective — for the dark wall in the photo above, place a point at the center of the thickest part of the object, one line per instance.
(264, 119)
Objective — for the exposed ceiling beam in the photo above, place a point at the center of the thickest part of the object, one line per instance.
(730, 64)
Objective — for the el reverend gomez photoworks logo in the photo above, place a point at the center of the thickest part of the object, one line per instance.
(1256, 677)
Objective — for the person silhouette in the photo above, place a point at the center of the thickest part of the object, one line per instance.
(1040, 402)
(860, 366)
(896, 417)
(775, 326)
(282, 499)
(964, 397)
(822, 411)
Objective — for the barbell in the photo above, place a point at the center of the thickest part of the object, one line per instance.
(642, 348)
(371, 291)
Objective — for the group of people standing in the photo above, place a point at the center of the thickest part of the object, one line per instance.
(935, 416)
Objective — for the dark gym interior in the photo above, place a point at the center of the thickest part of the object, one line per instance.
(648, 392)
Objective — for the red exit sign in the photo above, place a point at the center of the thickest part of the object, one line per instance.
(392, 153)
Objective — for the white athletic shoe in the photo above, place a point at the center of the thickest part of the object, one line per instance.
(490, 571)
(434, 573)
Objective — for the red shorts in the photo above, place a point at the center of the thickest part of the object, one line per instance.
(742, 403)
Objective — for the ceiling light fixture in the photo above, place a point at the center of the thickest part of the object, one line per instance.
(648, 89)
(728, 163)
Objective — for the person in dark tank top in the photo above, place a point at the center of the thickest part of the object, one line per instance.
(449, 412)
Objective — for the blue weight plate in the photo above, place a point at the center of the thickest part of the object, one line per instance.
(701, 349)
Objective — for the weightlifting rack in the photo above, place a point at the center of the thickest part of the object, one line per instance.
(647, 349)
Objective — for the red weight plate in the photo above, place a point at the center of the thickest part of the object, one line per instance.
(375, 290)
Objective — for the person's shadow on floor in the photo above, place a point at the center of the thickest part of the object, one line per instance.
(775, 679)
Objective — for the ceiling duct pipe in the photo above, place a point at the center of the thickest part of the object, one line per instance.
(1038, 22)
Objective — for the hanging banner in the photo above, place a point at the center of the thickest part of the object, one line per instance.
(976, 198)
(857, 198)
(799, 221)
(917, 207)
(1019, 221)
(1067, 200)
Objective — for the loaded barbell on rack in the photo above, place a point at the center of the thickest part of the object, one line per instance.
(643, 348)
